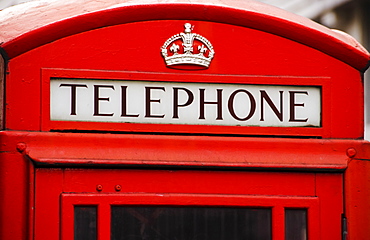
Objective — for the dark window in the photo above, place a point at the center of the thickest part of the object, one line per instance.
(85, 223)
(190, 223)
(295, 224)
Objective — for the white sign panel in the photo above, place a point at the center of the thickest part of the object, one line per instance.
(184, 103)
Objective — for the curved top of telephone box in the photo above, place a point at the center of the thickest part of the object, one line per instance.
(33, 24)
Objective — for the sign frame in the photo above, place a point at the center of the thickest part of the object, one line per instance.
(305, 81)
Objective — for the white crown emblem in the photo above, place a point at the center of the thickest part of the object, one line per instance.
(187, 48)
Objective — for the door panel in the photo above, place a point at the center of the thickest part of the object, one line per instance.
(289, 205)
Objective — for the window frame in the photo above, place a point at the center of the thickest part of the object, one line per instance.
(103, 202)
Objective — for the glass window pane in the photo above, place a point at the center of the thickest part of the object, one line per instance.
(190, 223)
(85, 223)
(295, 224)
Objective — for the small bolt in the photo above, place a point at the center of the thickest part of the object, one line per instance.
(99, 187)
(118, 188)
(351, 152)
(21, 147)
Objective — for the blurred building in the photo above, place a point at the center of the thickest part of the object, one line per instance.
(351, 16)
(8, 3)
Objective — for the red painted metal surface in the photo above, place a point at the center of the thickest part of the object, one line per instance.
(17, 194)
(54, 181)
(99, 14)
(357, 198)
(247, 64)
(278, 190)
(41, 161)
(139, 150)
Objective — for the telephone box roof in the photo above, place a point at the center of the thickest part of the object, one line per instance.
(33, 24)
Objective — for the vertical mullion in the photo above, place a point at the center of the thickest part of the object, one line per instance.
(223, 225)
(206, 225)
(104, 221)
(278, 223)
(67, 221)
(235, 224)
(313, 223)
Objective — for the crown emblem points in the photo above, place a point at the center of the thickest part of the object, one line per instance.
(187, 48)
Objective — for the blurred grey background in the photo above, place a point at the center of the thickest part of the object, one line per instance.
(351, 16)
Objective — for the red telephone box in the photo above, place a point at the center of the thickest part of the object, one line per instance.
(180, 120)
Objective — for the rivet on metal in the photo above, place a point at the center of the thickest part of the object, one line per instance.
(99, 187)
(118, 188)
(351, 152)
(21, 147)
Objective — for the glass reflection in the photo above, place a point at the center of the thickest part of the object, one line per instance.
(190, 223)
(295, 224)
(85, 223)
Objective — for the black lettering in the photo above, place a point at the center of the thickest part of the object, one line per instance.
(252, 105)
(176, 104)
(293, 105)
(148, 102)
(97, 99)
(73, 95)
(124, 103)
(265, 96)
(218, 103)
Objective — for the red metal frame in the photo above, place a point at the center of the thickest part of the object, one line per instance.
(200, 151)
(254, 44)
(297, 71)
(357, 198)
(104, 201)
(45, 150)
(254, 15)
(60, 189)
